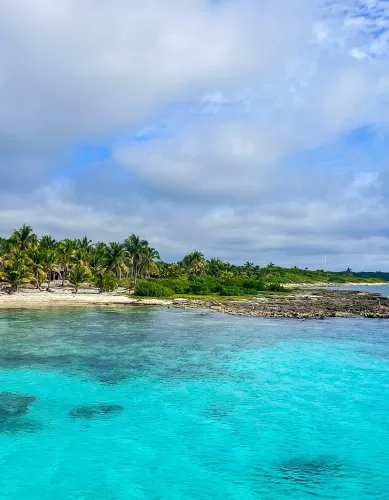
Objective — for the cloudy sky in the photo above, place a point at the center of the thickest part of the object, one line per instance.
(247, 129)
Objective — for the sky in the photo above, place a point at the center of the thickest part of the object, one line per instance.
(251, 130)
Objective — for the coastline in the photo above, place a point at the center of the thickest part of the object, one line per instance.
(333, 285)
(304, 304)
(37, 300)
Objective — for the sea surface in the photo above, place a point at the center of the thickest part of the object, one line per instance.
(167, 404)
(382, 289)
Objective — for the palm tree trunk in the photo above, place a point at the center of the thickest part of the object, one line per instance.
(48, 280)
(135, 272)
(64, 275)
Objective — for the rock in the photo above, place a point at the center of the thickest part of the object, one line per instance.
(317, 305)
(95, 411)
(301, 468)
(14, 405)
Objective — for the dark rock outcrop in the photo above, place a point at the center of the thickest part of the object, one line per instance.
(95, 411)
(14, 405)
(300, 469)
(301, 305)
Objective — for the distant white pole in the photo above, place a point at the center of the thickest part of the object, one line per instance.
(325, 263)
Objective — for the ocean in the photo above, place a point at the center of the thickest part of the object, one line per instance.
(153, 403)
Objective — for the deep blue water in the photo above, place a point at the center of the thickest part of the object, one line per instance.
(204, 406)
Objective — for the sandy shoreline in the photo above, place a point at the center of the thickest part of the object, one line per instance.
(36, 300)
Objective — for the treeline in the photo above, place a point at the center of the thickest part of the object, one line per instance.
(26, 259)
(376, 275)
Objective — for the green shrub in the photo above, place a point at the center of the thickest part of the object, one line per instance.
(276, 287)
(146, 288)
(178, 285)
(105, 281)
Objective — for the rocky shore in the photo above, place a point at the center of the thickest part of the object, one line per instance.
(315, 304)
(299, 304)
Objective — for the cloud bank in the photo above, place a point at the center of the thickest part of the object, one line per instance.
(250, 130)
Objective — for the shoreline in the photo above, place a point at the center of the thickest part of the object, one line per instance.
(332, 285)
(29, 300)
(304, 304)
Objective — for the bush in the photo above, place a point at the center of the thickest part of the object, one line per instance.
(178, 285)
(204, 285)
(276, 287)
(152, 289)
(105, 281)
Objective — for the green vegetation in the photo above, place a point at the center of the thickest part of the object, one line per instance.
(133, 264)
(202, 286)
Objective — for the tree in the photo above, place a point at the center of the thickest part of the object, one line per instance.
(48, 243)
(66, 252)
(97, 256)
(195, 263)
(148, 265)
(36, 256)
(78, 276)
(116, 259)
(216, 267)
(84, 243)
(16, 271)
(81, 257)
(105, 281)
(49, 263)
(136, 248)
(23, 238)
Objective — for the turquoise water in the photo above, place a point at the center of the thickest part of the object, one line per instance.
(206, 406)
(383, 290)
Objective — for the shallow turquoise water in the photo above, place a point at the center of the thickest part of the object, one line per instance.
(214, 406)
(383, 290)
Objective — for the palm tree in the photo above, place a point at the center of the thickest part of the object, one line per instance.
(136, 248)
(216, 267)
(195, 263)
(148, 265)
(78, 276)
(66, 251)
(16, 271)
(171, 270)
(48, 243)
(97, 256)
(81, 257)
(49, 263)
(84, 243)
(36, 256)
(23, 238)
(116, 259)
(105, 281)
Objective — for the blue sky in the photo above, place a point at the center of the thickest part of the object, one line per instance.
(247, 129)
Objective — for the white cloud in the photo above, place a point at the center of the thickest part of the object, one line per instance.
(246, 87)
